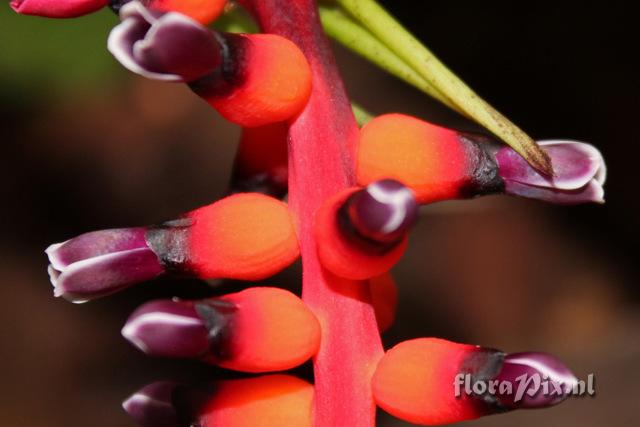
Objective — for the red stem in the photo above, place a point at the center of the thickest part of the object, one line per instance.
(320, 165)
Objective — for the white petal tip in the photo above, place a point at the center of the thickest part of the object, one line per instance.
(129, 332)
(54, 257)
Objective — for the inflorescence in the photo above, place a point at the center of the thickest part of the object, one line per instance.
(363, 189)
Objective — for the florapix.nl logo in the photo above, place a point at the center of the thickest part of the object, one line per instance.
(529, 389)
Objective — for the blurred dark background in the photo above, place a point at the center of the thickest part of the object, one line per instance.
(86, 145)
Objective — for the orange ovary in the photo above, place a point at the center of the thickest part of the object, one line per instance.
(246, 236)
(268, 401)
(414, 381)
(203, 11)
(276, 87)
(272, 330)
(427, 158)
(342, 256)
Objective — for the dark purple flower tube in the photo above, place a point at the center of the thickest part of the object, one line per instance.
(101, 263)
(175, 329)
(153, 405)
(164, 46)
(580, 173)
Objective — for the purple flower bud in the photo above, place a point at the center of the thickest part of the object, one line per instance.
(100, 263)
(170, 404)
(152, 406)
(580, 173)
(164, 46)
(538, 380)
(179, 329)
(167, 329)
(382, 212)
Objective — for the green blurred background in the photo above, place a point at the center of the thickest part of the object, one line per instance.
(86, 146)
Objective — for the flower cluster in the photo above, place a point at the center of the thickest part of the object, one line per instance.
(354, 195)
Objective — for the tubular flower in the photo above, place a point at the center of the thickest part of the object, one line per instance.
(267, 401)
(101, 263)
(252, 80)
(203, 11)
(440, 164)
(153, 405)
(429, 381)
(256, 330)
(363, 233)
(223, 240)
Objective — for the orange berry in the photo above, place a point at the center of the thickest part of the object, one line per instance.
(435, 162)
(271, 330)
(273, 81)
(414, 381)
(246, 236)
(268, 401)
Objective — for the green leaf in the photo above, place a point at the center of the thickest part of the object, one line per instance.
(438, 78)
(236, 20)
(55, 56)
(362, 116)
(350, 33)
